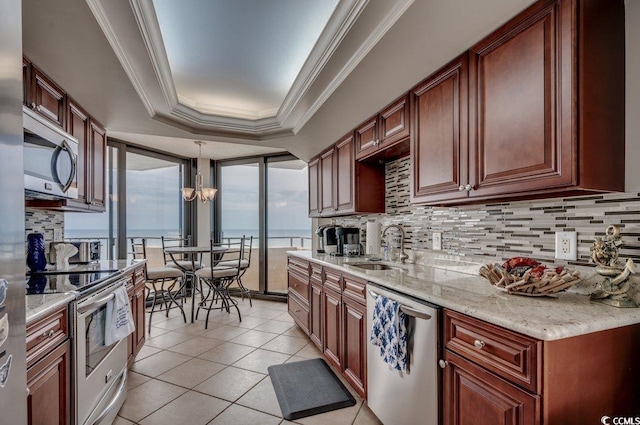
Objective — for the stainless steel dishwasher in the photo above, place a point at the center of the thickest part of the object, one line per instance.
(410, 397)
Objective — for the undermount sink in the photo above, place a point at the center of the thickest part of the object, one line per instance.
(373, 266)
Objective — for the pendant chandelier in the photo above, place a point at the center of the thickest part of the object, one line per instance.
(203, 193)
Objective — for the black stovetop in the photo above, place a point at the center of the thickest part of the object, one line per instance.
(48, 283)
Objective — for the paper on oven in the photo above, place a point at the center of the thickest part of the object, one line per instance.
(118, 318)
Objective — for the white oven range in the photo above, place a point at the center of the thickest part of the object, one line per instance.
(100, 381)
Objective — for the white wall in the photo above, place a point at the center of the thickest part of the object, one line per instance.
(632, 15)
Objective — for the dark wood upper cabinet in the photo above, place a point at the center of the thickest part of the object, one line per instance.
(345, 163)
(440, 142)
(98, 138)
(314, 187)
(78, 127)
(327, 182)
(544, 91)
(345, 185)
(26, 80)
(380, 136)
(46, 98)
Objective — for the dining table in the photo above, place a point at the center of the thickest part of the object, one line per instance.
(194, 255)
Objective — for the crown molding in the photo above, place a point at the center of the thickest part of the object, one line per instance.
(380, 30)
(163, 103)
(103, 21)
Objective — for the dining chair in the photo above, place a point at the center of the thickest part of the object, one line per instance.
(245, 263)
(177, 261)
(165, 286)
(214, 281)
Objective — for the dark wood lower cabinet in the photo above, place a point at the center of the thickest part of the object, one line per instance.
(48, 383)
(332, 344)
(137, 297)
(355, 343)
(475, 396)
(315, 302)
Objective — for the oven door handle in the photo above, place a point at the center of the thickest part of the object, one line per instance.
(114, 400)
(96, 304)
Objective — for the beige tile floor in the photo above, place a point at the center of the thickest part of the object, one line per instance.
(189, 375)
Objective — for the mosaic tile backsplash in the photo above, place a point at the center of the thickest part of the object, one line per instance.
(503, 230)
(43, 221)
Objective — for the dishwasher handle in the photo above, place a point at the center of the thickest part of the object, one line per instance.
(406, 309)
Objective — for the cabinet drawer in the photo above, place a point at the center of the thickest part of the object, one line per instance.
(138, 276)
(299, 284)
(510, 355)
(354, 288)
(46, 334)
(299, 266)
(299, 311)
(316, 273)
(332, 280)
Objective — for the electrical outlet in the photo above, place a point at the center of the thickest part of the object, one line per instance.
(437, 241)
(57, 234)
(566, 246)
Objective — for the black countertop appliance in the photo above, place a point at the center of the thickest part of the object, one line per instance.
(327, 239)
(348, 241)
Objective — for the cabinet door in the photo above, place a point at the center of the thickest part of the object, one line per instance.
(520, 82)
(139, 318)
(345, 163)
(332, 344)
(98, 167)
(132, 338)
(78, 127)
(474, 396)
(366, 137)
(47, 98)
(355, 344)
(439, 145)
(314, 186)
(393, 122)
(26, 81)
(48, 400)
(327, 175)
(315, 304)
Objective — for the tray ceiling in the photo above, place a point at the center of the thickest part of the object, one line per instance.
(238, 68)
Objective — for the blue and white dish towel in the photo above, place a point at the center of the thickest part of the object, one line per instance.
(389, 332)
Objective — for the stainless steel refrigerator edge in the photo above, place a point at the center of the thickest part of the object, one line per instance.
(13, 396)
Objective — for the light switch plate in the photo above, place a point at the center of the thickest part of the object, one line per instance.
(57, 234)
(567, 246)
(437, 241)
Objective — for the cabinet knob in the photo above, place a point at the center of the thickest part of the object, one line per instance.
(33, 105)
(39, 108)
(468, 188)
(49, 334)
(479, 344)
(461, 188)
(443, 363)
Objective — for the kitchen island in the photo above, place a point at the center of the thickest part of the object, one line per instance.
(504, 358)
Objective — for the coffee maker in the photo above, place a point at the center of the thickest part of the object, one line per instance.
(327, 239)
(348, 241)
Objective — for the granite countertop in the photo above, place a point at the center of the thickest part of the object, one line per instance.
(41, 305)
(456, 286)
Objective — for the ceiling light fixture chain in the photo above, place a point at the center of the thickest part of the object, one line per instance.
(199, 192)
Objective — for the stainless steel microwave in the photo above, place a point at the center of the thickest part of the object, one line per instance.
(50, 159)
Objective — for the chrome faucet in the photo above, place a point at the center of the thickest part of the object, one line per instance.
(403, 255)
